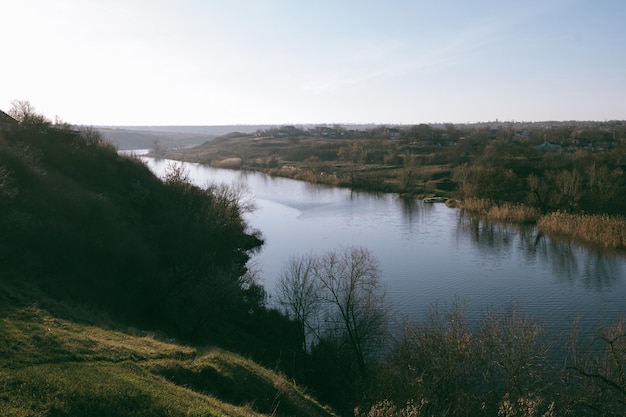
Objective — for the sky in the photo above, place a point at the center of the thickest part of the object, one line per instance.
(223, 62)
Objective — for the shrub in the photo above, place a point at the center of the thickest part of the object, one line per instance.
(449, 368)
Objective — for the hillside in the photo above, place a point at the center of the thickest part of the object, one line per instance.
(167, 137)
(85, 224)
(94, 247)
(55, 365)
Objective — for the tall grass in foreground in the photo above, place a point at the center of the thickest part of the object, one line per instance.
(505, 212)
(597, 229)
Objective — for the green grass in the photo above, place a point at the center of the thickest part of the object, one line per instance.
(54, 366)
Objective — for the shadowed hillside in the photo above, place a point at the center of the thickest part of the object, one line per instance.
(93, 247)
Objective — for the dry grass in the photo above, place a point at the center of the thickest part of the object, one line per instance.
(476, 205)
(514, 213)
(603, 230)
(317, 178)
(229, 163)
(510, 213)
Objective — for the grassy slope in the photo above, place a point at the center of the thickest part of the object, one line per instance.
(52, 365)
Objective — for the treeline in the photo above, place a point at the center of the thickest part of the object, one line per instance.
(575, 181)
(573, 167)
(96, 229)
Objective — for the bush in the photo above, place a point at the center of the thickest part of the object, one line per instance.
(448, 368)
(85, 224)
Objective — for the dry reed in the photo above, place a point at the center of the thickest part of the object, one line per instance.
(505, 212)
(597, 229)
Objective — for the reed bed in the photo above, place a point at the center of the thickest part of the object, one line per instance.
(505, 212)
(603, 230)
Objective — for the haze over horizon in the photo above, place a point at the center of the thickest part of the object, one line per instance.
(151, 63)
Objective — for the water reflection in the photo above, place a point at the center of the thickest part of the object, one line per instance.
(571, 264)
(410, 208)
(601, 272)
(486, 234)
(430, 253)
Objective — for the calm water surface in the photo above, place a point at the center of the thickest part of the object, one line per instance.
(429, 253)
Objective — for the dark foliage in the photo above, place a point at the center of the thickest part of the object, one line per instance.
(90, 226)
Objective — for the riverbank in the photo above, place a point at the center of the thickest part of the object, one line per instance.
(505, 180)
(598, 230)
(330, 161)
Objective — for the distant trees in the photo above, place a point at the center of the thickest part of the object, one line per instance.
(577, 181)
(498, 161)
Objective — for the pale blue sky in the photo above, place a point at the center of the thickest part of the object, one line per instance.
(158, 62)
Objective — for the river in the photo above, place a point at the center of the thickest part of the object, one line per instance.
(430, 254)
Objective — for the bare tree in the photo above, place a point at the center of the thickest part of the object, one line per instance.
(352, 292)
(337, 296)
(601, 362)
(299, 294)
(26, 115)
(409, 169)
(514, 350)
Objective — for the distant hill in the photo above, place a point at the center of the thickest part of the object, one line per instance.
(127, 139)
(195, 130)
(144, 137)
(168, 137)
